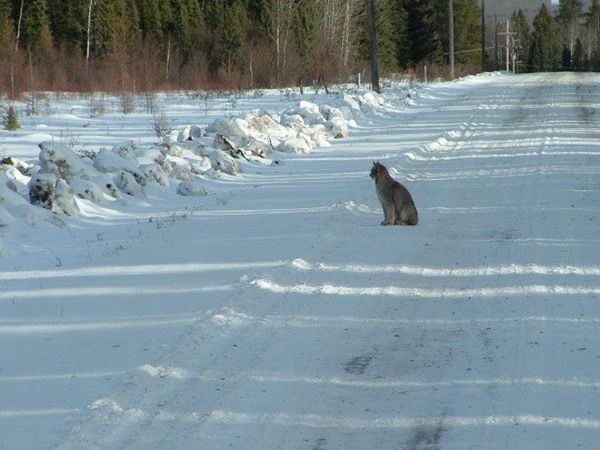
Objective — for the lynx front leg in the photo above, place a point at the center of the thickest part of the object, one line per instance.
(389, 214)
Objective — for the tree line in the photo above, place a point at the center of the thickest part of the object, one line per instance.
(144, 45)
(157, 44)
(569, 40)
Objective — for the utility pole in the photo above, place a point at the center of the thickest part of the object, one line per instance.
(507, 45)
(373, 46)
(509, 50)
(496, 44)
(451, 37)
(483, 35)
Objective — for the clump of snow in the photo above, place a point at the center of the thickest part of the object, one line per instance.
(61, 161)
(109, 406)
(259, 149)
(310, 112)
(16, 180)
(231, 318)
(87, 189)
(154, 173)
(108, 161)
(127, 183)
(224, 162)
(165, 372)
(236, 132)
(189, 133)
(191, 188)
(295, 145)
(50, 192)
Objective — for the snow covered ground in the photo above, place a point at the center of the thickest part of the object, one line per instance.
(275, 312)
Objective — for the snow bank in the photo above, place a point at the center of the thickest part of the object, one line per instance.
(62, 179)
(298, 129)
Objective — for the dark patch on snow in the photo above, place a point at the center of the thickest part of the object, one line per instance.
(320, 444)
(425, 437)
(359, 364)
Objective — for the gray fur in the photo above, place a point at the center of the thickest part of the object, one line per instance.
(397, 203)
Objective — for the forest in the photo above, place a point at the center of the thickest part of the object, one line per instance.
(147, 45)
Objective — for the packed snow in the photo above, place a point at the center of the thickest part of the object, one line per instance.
(222, 281)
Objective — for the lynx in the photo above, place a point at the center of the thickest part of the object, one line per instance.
(398, 205)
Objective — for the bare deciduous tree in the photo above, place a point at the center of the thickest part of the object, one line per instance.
(88, 35)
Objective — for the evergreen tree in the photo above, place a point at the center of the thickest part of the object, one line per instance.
(423, 34)
(385, 21)
(566, 59)
(467, 30)
(227, 22)
(11, 119)
(543, 50)
(232, 36)
(388, 33)
(400, 24)
(569, 12)
(306, 30)
(152, 19)
(187, 25)
(116, 26)
(35, 36)
(6, 27)
(593, 26)
(578, 60)
(67, 21)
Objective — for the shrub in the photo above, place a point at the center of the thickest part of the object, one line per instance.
(11, 119)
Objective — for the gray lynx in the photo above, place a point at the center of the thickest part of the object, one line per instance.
(398, 205)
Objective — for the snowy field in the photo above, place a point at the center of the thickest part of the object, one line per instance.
(270, 310)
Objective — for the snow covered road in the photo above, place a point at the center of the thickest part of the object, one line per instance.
(281, 315)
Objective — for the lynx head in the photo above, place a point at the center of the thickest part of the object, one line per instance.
(378, 170)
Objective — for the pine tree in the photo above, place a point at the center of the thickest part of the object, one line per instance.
(400, 19)
(36, 36)
(11, 119)
(227, 22)
(569, 12)
(579, 60)
(388, 33)
(423, 35)
(186, 25)
(6, 27)
(232, 36)
(543, 51)
(385, 21)
(593, 26)
(152, 24)
(566, 59)
(116, 27)
(67, 22)
(306, 30)
(467, 30)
